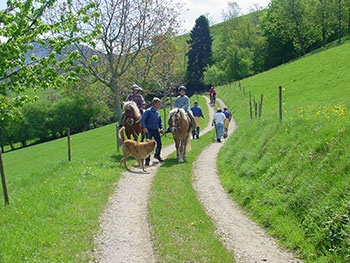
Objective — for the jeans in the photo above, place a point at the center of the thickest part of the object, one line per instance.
(219, 129)
(154, 134)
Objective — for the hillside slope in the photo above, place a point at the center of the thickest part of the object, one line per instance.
(294, 175)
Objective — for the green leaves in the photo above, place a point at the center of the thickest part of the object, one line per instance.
(25, 29)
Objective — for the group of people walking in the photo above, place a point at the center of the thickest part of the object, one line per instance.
(151, 120)
(221, 121)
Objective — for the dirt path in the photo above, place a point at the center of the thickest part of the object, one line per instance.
(124, 235)
(248, 241)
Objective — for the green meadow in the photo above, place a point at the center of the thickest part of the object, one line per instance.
(55, 204)
(293, 176)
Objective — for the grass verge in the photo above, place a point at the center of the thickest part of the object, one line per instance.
(182, 232)
(55, 204)
(294, 176)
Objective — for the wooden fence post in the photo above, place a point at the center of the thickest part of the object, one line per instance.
(250, 106)
(243, 91)
(68, 138)
(2, 170)
(260, 104)
(280, 102)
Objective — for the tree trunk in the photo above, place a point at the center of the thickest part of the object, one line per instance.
(323, 18)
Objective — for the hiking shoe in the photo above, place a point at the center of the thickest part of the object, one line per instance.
(159, 158)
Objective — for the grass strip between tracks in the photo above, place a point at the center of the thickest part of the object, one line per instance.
(182, 232)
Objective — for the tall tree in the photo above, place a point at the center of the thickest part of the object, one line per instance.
(199, 54)
(127, 28)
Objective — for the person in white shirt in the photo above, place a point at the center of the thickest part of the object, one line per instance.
(218, 121)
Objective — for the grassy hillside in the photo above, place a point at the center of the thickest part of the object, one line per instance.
(294, 176)
(55, 204)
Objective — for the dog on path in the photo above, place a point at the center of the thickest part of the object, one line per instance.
(139, 150)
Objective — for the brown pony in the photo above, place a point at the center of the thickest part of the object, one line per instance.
(131, 121)
(180, 126)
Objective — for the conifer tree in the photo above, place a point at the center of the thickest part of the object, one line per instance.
(199, 55)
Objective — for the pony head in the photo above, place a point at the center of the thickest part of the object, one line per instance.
(132, 112)
(176, 116)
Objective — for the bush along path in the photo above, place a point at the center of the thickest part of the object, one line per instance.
(237, 232)
(125, 232)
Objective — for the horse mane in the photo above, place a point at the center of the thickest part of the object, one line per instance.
(181, 111)
(132, 105)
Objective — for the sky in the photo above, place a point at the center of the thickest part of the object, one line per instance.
(195, 8)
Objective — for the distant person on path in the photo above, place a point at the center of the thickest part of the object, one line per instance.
(151, 123)
(227, 121)
(197, 113)
(183, 102)
(218, 121)
(212, 94)
(135, 96)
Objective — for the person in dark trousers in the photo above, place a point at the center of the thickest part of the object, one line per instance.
(197, 114)
(151, 123)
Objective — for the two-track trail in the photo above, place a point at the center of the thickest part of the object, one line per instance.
(237, 232)
(124, 234)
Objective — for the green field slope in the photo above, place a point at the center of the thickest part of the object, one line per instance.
(294, 175)
(55, 204)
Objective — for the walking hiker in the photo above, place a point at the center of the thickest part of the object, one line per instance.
(152, 126)
(228, 116)
(212, 94)
(197, 113)
(183, 102)
(218, 121)
(135, 96)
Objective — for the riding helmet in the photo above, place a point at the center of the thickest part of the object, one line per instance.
(182, 88)
(133, 87)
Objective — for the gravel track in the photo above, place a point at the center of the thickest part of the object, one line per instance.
(237, 232)
(124, 234)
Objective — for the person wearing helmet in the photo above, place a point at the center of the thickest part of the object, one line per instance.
(183, 102)
(135, 96)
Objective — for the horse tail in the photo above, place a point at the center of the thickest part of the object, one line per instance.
(121, 134)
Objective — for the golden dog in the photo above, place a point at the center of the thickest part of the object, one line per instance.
(139, 150)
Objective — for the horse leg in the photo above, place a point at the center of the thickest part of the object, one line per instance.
(181, 152)
(185, 144)
(177, 146)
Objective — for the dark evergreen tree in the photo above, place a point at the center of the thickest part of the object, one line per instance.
(199, 54)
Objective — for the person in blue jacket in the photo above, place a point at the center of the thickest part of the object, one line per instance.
(197, 114)
(151, 123)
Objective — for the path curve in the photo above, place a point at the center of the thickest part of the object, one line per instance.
(125, 231)
(237, 232)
